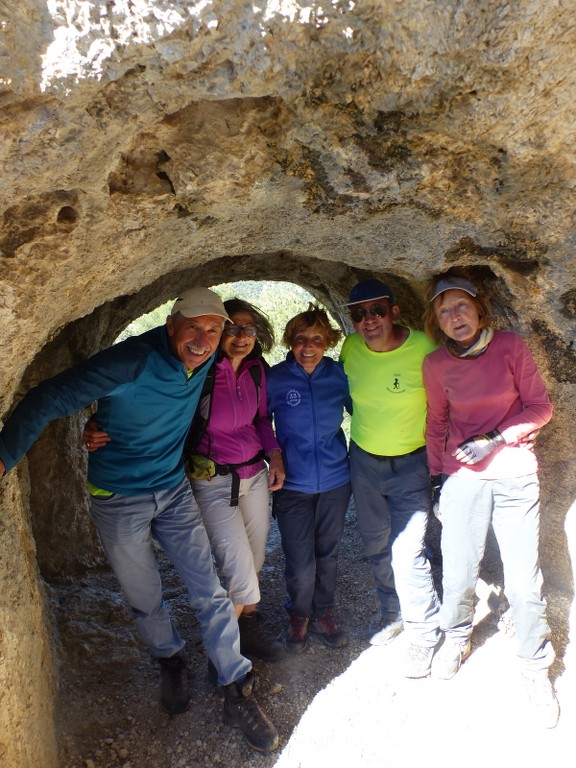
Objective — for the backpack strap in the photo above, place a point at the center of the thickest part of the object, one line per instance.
(256, 373)
(200, 420)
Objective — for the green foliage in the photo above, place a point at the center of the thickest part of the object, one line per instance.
(146, 322)
(279, 300)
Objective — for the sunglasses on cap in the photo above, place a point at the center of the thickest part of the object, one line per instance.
(236, 330)
(376, 310)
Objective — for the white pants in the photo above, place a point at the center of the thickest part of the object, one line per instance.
(238, 535)
(467, 507)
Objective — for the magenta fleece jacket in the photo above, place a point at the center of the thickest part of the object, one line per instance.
(239, 426)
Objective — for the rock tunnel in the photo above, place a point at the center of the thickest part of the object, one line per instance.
(151, 147)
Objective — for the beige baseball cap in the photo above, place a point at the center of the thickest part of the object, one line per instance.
(199, 301)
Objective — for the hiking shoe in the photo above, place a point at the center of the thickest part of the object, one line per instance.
(449, 659)
(418, 660)
(542, 699)
(256, 641)
(297, 637)
(241, 711)
(174, 690)
(327, 629)
(390, 629)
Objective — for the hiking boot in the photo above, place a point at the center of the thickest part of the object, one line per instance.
(297, 637)
(389, 629)
(327, 629)
(241, 711)
(542, 699)
(255, 640)
(174, 690)
(418, 660)
(450, 658)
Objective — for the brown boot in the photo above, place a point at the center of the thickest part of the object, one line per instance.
(256, 641)
(297, 637)
(328, 630)
(241, 711)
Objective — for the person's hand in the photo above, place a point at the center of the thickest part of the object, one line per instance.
(477, 448)
(436, 483)
(92, 437)
(529, 440)
(276, 473)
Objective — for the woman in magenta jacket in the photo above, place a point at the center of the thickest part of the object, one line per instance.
(485, 396)
(235, 465)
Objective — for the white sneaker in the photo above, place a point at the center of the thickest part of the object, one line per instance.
(418, 661)
(449, 659)
(387, 633)
(542, 699)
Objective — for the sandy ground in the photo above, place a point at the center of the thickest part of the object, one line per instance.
(351, 707)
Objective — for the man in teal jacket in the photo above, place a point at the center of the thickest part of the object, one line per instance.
(147, 389)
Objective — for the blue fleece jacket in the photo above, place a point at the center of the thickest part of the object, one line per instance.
(308, 412)
(146, 401)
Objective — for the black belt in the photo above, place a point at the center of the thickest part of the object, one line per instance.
(227, 469)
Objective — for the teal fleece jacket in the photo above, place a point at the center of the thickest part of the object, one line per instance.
(146, 402)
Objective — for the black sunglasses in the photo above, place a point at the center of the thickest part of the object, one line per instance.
(236, 330)
(376, 310)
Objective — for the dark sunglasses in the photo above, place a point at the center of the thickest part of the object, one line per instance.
(236, 330)
(376, 310)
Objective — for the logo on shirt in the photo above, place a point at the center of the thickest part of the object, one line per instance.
(293, 397)
(395, 385)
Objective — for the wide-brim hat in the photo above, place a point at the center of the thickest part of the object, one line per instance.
(369, 290)
(195, 302)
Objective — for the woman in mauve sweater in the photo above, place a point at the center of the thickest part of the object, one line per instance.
(485, 398)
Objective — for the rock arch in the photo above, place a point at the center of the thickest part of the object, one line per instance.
(316, 142)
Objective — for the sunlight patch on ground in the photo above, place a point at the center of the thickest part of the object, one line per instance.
(371, 716)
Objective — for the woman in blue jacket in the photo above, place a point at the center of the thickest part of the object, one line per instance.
(307, 394)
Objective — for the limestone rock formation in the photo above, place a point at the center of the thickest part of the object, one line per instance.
(152, 146)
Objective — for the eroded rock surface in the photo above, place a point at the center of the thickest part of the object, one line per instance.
(147, 147)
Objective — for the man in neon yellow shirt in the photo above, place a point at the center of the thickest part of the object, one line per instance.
(389, 472)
